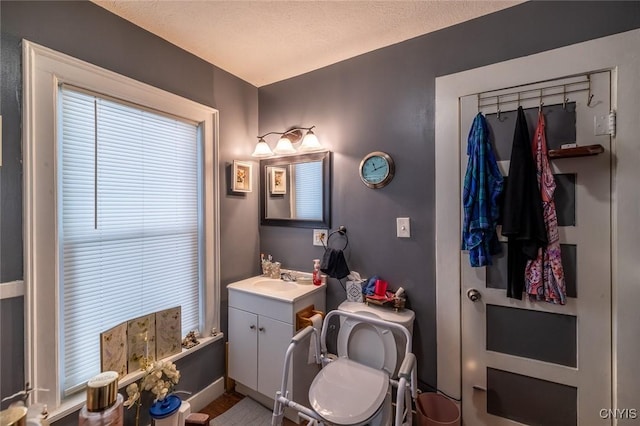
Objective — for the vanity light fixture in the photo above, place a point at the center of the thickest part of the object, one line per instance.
(287, 143)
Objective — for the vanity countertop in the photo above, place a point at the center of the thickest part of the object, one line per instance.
(287, 291)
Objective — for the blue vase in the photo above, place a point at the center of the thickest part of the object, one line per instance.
(165, 408)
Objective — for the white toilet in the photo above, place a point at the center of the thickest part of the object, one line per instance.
(358, 344)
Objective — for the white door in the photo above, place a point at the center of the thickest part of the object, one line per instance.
(527, 362)
(243, 347)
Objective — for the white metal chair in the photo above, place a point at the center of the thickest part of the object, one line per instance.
(404, 383)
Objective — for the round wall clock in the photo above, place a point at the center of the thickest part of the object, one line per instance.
(377, 169)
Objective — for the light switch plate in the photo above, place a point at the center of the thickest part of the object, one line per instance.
(403, 227)
(320, 237)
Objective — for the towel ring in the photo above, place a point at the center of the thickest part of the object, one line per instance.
(341, 231)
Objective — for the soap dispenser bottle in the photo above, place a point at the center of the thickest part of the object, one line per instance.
(317, 280)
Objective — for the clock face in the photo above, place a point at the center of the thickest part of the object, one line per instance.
(376, 169)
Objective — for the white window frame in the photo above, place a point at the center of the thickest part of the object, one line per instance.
(43, 71)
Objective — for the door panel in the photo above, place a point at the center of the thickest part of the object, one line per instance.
(520, 354)
(497, 273)
(511, 396)
(531, 339)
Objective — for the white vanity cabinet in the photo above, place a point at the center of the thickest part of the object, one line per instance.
(256, 342)
(262, 321)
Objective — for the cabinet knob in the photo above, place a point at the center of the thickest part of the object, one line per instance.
(261, 329)
(253, 327)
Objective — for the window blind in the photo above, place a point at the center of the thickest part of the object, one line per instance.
(129, 237)
(308, 190)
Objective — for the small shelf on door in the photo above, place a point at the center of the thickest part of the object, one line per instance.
(579, 151)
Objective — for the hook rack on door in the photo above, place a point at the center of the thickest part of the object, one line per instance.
(543, 90)
(491, 99)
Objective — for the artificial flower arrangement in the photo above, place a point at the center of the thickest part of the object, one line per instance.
(159, 378)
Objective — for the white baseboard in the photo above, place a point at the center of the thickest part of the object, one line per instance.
(203, 398)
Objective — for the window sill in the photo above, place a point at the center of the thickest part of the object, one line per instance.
(75, 402)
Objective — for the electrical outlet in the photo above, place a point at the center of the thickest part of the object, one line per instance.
(320, 237)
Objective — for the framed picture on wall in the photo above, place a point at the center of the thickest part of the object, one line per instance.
(278, 180)
(241, 176)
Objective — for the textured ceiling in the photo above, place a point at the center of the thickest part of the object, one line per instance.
(267, 41)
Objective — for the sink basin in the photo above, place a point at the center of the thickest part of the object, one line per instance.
(273, 288)
(275, 285)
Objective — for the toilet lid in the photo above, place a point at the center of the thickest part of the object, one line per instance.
(347, 393)
(368, 344)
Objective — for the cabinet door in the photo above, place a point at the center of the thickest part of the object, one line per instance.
(273, 339)
(243, 347)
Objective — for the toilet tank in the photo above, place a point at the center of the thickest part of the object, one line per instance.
(403, 317)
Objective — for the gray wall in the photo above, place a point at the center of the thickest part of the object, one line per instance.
(90, 33)
(385, 100)
(11, 346)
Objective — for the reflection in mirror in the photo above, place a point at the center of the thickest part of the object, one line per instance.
(295, 190)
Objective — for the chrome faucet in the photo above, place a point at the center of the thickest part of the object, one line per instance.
(287, 276)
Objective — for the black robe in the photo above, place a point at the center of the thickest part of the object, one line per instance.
(522, 220)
